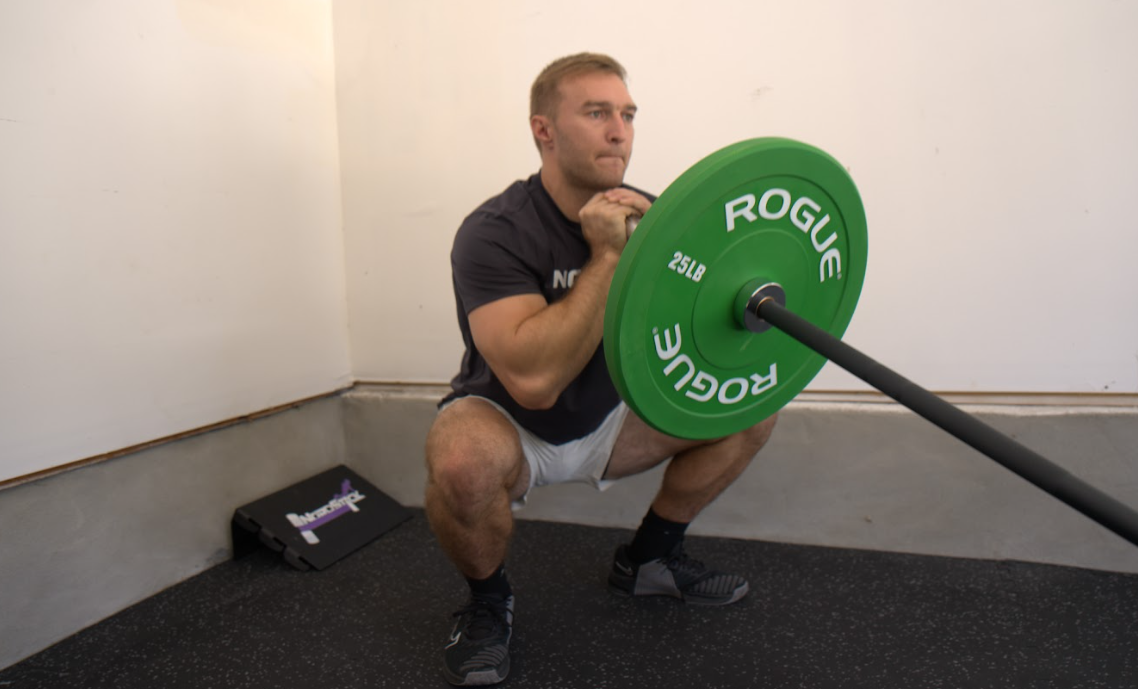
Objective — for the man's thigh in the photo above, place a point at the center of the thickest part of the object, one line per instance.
(639, 447)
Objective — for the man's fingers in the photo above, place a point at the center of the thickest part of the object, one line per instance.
(629, 198)
(605, 222)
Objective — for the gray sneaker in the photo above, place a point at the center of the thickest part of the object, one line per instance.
(676, 575)
(478, 651)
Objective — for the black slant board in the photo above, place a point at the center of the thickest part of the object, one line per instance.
(318, 521)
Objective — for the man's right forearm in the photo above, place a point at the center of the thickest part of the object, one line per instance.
(546, 346)
(554, 344)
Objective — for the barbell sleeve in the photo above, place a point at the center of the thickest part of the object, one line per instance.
(1102, 508)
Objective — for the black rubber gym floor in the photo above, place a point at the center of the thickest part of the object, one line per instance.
(815, 617)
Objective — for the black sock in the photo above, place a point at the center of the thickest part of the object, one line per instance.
(494, 585)
(655, 538)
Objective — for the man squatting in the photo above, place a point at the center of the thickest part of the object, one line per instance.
(533, 403)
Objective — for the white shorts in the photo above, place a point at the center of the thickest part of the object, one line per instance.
(583, 460)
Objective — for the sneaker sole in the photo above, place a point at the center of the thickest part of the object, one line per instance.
(736, 595)
(481, 678)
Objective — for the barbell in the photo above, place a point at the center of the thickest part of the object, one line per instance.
(736, 288)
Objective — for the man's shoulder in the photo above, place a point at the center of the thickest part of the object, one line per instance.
(508, 222)
(514, 199)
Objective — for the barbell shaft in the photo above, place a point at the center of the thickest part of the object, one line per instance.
(1102, 508)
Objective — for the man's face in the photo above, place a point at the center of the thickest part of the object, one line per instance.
(592, 130)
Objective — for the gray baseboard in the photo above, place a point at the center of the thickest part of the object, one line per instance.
(83, 544)
(852, 475)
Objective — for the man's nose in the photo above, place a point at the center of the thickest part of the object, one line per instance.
(618, 130)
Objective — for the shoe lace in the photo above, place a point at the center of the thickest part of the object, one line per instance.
(483, 617)
(686, 570)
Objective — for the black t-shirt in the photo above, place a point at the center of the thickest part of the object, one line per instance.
(520, 242)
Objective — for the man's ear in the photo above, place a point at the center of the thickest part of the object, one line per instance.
(542, 128)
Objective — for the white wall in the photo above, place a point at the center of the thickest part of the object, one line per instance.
(171, 251)
(170, 244)
(993, 143)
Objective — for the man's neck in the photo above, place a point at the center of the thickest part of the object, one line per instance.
(570, 199)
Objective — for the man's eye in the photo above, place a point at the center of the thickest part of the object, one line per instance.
(628, 117)
(596, 114)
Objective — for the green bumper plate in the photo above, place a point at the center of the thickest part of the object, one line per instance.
(771, 210)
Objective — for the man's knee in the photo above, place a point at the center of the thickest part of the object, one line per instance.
(755, 437)
(764, 428)
(472, 454)
(457, 473)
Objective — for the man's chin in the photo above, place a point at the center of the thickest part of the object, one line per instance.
(599, 179)
(610, 178)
